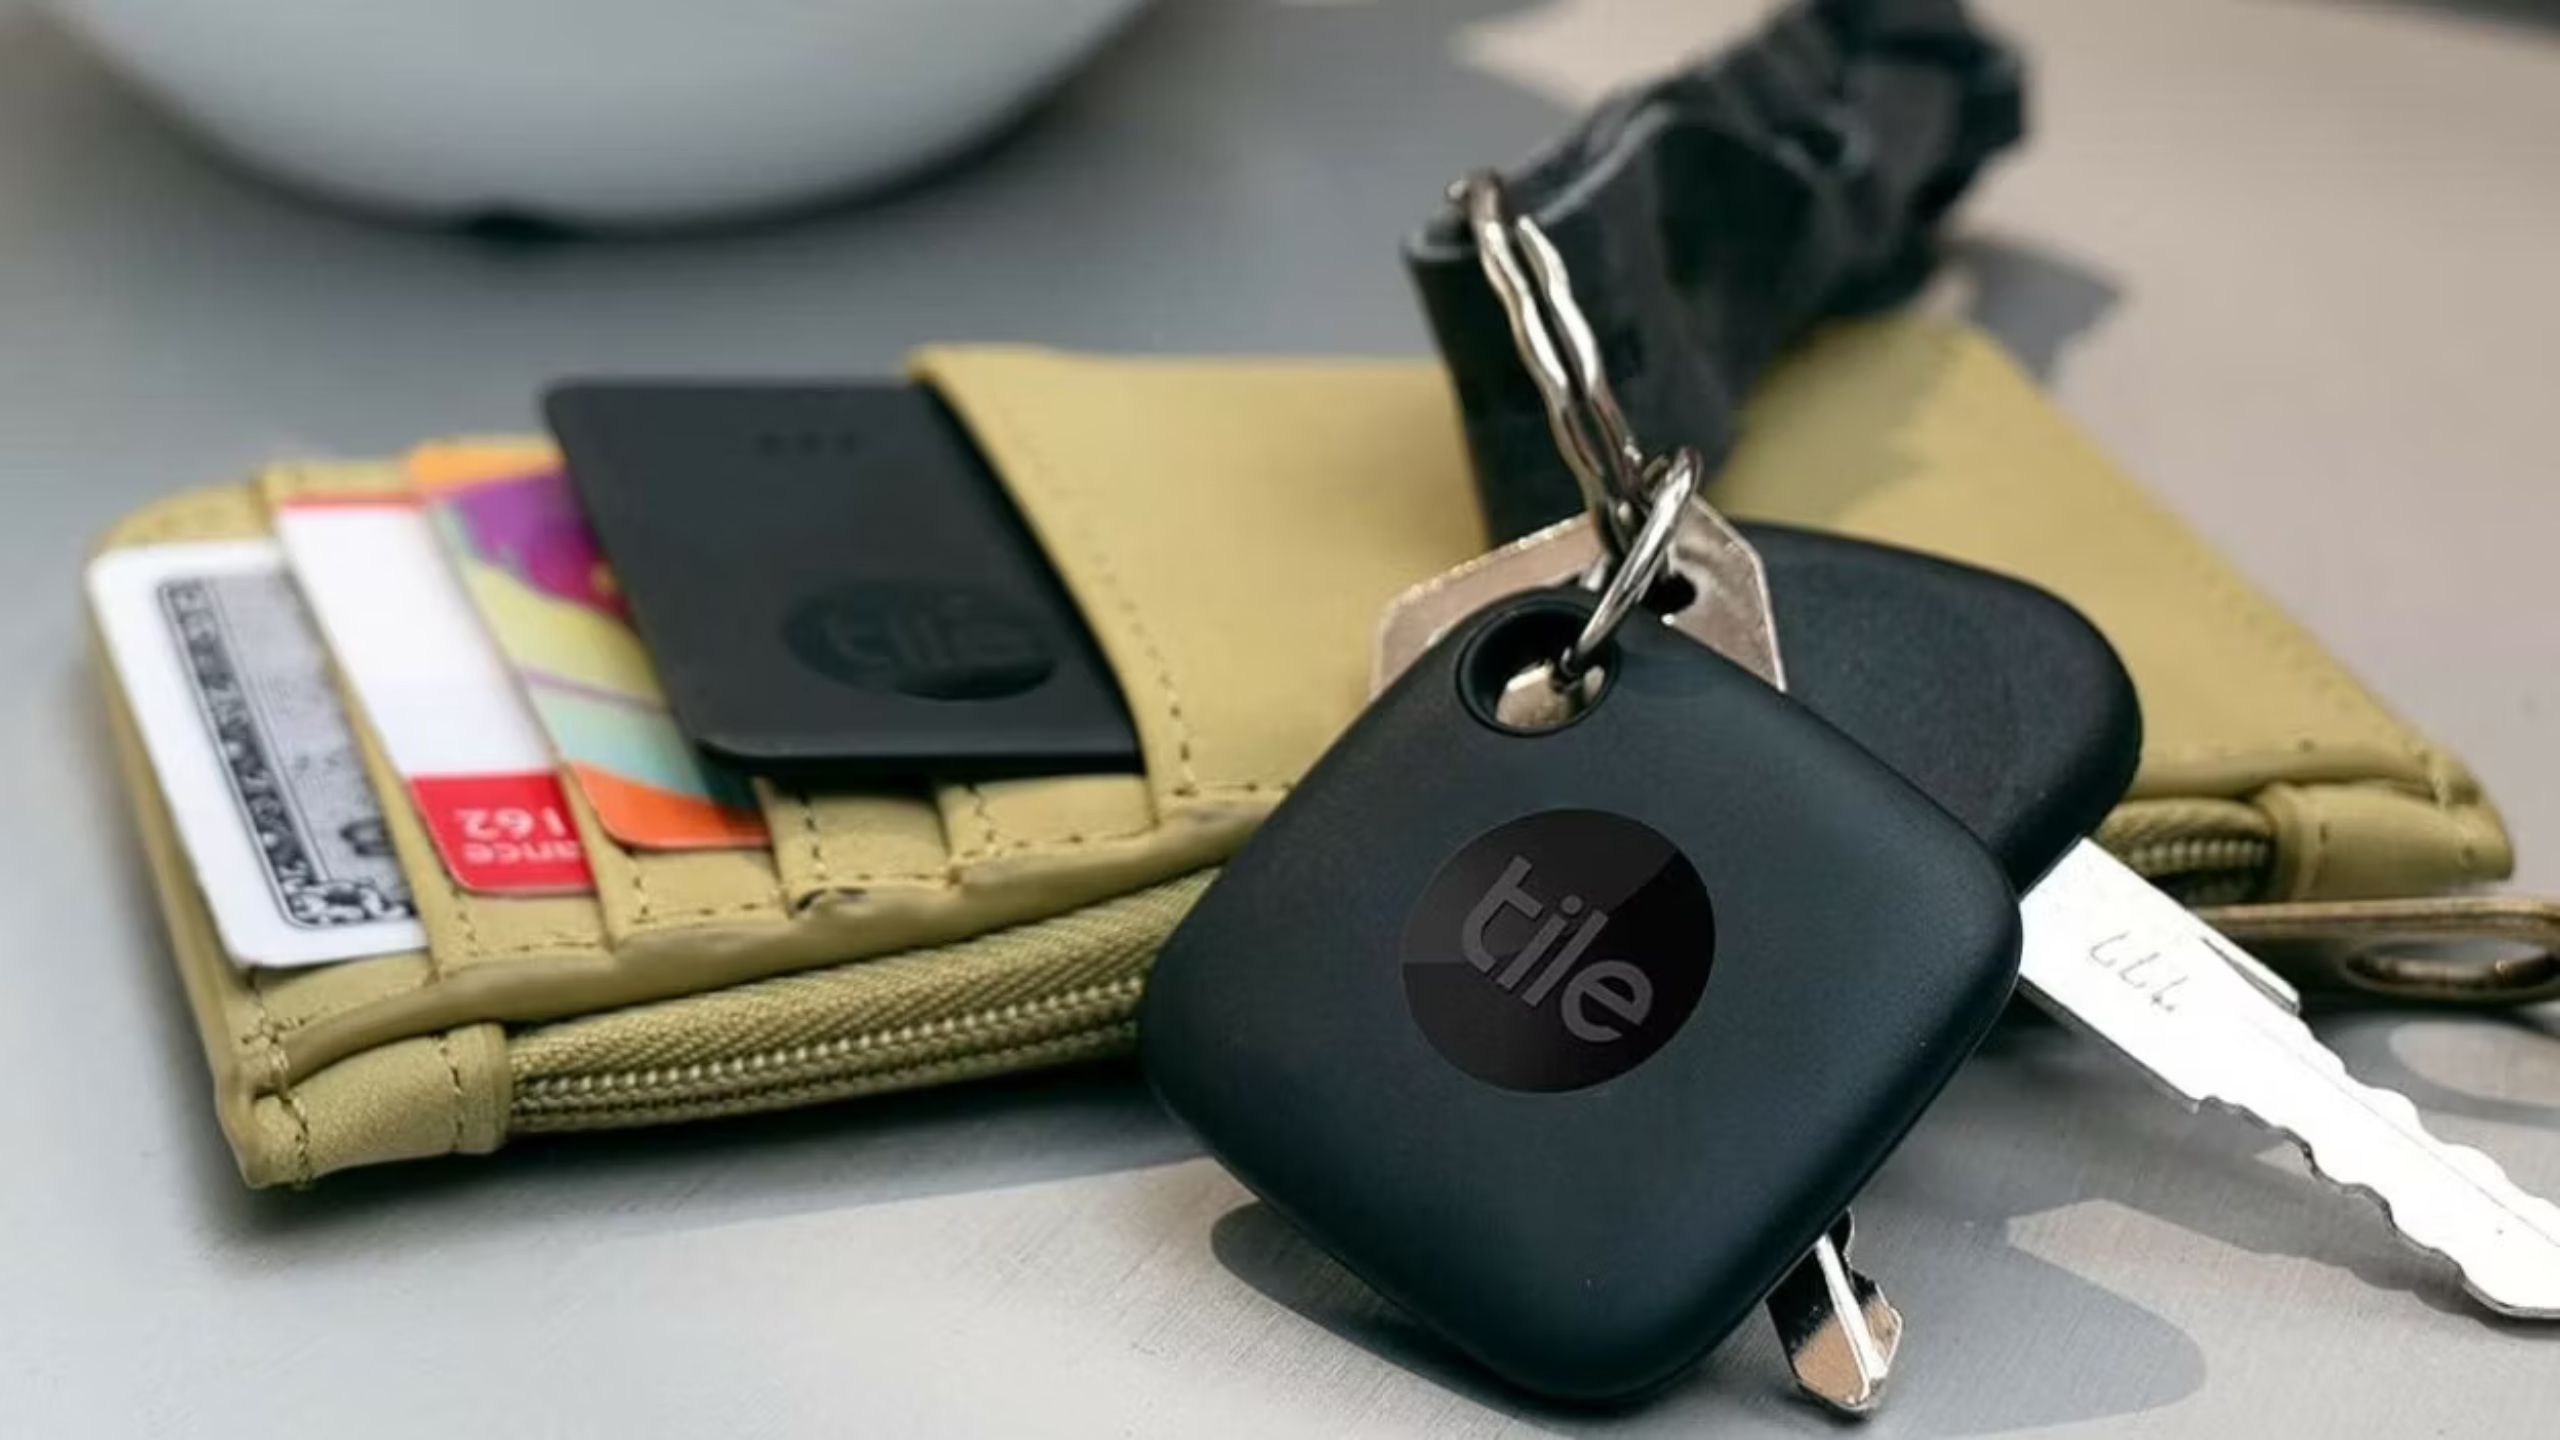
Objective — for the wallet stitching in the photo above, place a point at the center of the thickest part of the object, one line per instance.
(470, 934)
(817, 851)
(949, 876)
(2319, 854)
(997, 848)
(828, 881)
(1072, 840)
(986, 822)
(545, 943)
(453, 1082)
(646, 915)
(539, 944)
(639, 899)
(281, 1080)
(740, 910)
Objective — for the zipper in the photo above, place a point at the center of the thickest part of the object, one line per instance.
(2203, 851)
(2201, 858)
(2204, 869)
(1086, 1022)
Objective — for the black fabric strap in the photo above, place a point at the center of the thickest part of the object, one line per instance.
(1708, 218)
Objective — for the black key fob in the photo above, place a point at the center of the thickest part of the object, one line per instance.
(1572, 1042)
(1999, 700)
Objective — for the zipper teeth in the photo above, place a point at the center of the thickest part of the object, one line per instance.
(2196, 867)
(742, 1081)
(1089, 1043)
(2205, 869)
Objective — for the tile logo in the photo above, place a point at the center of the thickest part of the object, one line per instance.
(933, 642)
(1559, 950)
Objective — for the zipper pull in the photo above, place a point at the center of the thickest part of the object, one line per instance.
(2446, 950)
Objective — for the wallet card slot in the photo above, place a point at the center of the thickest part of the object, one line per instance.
(998, 820)
(256, 1008)
(827, 842)
(640, 892)
(1197, 552)
(975, 856)
(465, 931)
(849, 876)
(433, 1095)
(837, 843)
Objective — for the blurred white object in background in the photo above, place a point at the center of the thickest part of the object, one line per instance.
(594, 112)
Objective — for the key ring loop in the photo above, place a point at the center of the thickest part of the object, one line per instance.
(1563, 358)
(1635, 574)
(1636, 504)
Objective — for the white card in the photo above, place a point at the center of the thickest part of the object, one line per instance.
(230, 687)
(435, 688)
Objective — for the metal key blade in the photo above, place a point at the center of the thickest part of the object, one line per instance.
(1838, 1330)
(2109, 955)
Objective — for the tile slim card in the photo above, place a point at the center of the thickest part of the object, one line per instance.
(834, 586)
(229, 686)
(512, 528)
(436, 692)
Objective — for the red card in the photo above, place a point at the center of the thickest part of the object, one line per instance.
(503, 834)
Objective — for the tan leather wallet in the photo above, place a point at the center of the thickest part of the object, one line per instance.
(1231, 530)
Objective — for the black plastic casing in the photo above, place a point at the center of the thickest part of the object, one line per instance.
(1589, 1243)
(1999, 700)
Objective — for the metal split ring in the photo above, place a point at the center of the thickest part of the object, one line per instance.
(1632, 577)
(1636, 502)
(1563, 358)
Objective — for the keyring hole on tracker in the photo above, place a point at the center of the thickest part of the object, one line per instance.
(1504, 676)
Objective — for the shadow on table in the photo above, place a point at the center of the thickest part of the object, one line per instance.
(2035, 301)
(1974, 1305)
(1999, 1337)
(2522, 14)
(2387, 1047)
(990, 1135)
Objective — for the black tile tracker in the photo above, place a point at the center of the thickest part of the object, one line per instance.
(1572, 1043)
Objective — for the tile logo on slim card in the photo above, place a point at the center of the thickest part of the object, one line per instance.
(435, 691)
(935, 642)
(1558, 950)
(512, 528)
(230, 688)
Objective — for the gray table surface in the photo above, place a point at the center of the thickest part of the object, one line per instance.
(2289, 261)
